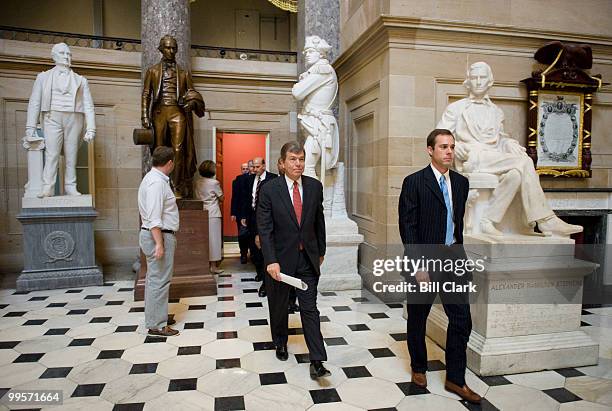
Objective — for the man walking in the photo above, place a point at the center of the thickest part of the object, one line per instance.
(431, 209)
(254, 185)
(292, 235)
(236, 206)
(160, 221)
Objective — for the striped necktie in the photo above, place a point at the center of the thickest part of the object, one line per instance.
(256, 196)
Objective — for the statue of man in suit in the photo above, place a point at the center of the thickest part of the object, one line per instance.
(61, 101)
(168, 98)
(317, 88)
(482, 146)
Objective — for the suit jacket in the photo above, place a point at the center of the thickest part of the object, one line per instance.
(422, 214)
(40, 99)
(151, 87)
(251, 215)
(237, 194)
(279, 232)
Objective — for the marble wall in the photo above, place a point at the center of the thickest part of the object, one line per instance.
(399, 71)
(239, 95)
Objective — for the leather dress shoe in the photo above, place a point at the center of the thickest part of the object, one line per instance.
(243, 259)
(262, 291)
(317, 370)
(464, 392)
(281, 353)
(419, 379)
(293, 308)
(258, 277)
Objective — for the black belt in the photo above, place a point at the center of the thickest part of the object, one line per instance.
(163, 231)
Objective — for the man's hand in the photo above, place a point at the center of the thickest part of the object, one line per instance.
(243, 222)
(89, 135)
(274, 271)
(146, 123)
(31, 131)
(321, 258)
(159, 251)
(257, 242)
(422, 276)
(233, 218)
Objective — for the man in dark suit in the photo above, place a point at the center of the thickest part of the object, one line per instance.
(254, 184)
(237, 200)
(431, 209)
(293, 307)
(292, 234)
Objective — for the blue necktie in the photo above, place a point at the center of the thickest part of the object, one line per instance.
(450, 227)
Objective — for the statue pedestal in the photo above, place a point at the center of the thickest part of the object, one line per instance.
(339, 270)
(58, 243)
(526, 316)
(191, 277)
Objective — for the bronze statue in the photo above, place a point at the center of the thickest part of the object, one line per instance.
(168, 99)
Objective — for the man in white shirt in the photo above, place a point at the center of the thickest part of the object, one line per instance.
(62, 103)
(160, 221)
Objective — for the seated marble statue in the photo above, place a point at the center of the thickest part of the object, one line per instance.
(482, 146)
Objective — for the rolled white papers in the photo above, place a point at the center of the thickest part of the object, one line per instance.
(295, 282)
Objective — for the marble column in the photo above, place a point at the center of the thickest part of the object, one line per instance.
(320, 18)
(158, 18)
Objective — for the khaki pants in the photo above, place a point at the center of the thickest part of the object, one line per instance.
(159, 275)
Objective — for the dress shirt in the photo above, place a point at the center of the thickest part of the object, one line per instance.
(157, 203)
(254, 188)
(290, 188)
(446, 175)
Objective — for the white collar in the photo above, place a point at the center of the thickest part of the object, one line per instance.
(160, 173)
(290, 182)
(484, 100)
(262, 176)
(62, 69)
(438, 173)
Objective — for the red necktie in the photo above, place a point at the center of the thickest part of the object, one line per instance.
(297, 202)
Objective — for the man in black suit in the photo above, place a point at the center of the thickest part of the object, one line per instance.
(254, 184)
(292, 235)
(431, 209)
(237, 200)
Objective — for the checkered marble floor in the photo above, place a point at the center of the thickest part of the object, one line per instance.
(91, 344)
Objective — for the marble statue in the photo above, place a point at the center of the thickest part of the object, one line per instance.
(482, 146)
(62, 104)
(317, 88)
(168, 99)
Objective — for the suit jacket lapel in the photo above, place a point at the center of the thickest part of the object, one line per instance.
(433, 185)
(284, 194)
(455, 191)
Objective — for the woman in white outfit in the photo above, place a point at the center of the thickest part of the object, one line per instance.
(208, 189)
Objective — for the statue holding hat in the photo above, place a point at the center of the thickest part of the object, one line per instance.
(61, 103)
(317, 89)
(168, 99)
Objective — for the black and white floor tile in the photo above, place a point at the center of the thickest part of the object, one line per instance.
(91, 344)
